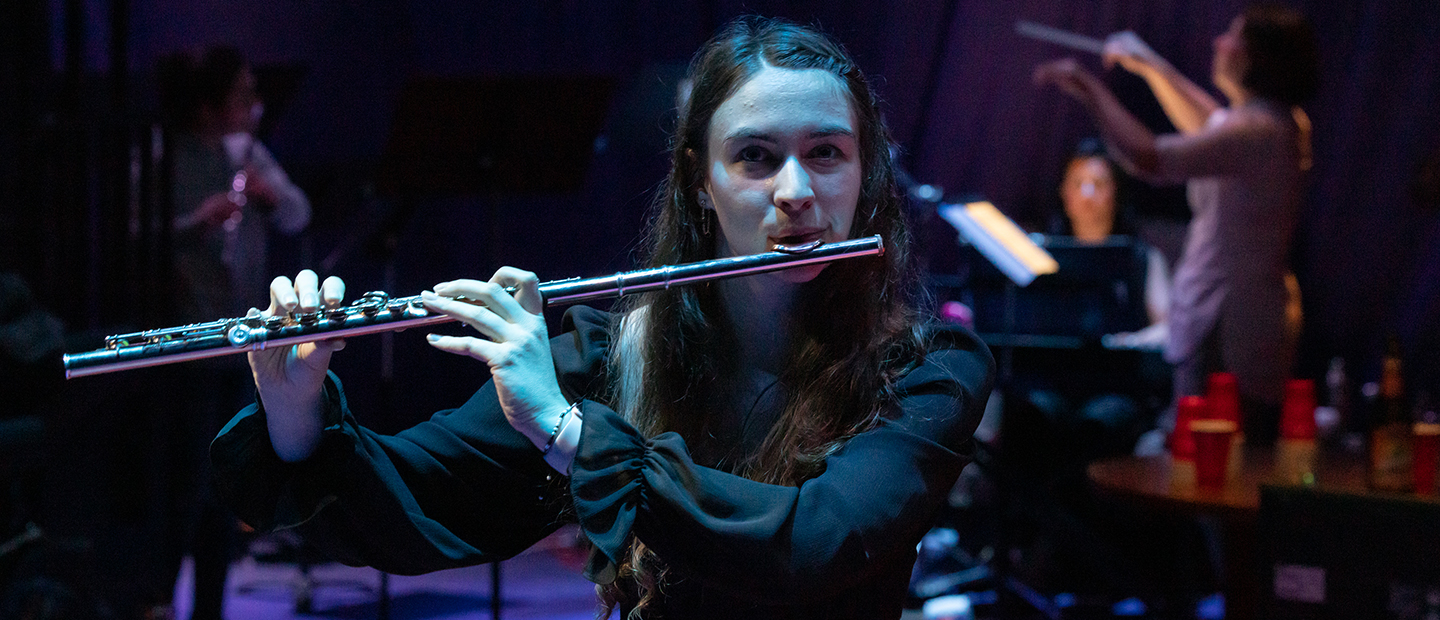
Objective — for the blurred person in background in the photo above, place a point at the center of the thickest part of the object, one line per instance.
(1233, 297)
(229, 195)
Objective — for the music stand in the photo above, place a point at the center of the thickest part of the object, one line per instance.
(1099, 289)
(999, 240)
(477, 136)
(1005, 246)
(1096, 289)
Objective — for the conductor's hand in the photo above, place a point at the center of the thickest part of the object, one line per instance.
(513, 341)
(290, 379)
(1070, 77)
(1129, 51)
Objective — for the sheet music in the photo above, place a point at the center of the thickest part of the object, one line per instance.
(1000, 240)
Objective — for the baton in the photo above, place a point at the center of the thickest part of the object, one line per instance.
(1063, 38)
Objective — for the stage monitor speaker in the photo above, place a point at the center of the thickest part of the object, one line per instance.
(1329, 555)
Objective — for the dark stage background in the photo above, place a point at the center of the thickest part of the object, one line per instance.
(77, 89)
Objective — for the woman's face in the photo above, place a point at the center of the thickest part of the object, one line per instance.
(783, 164)
(1229, 64)
(239, 111)
(1088, 194)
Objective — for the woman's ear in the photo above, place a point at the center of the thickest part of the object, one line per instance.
(704, 198)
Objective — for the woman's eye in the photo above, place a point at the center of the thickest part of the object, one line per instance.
(826, 151)
(752, 154)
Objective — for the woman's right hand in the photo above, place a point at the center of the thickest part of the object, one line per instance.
(1129, 51)
(290, 379)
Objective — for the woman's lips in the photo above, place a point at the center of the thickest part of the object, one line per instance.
(798, 238)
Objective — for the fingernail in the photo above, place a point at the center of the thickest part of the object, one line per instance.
(428, 295)
(432, 337)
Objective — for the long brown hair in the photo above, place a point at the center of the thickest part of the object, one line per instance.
(857, 324)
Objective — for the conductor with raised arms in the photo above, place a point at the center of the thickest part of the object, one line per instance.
(1245, 165)
(771, 446)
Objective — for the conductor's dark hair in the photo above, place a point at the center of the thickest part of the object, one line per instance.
(1284, 60)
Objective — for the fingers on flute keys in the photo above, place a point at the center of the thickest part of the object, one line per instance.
(305, 293)
(492, 309)
(526, 287)
(484, 307)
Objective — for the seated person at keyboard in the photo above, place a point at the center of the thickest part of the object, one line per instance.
(1092, 214)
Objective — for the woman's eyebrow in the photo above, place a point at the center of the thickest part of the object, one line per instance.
(832, 130)
(746, 133)
(827, 131)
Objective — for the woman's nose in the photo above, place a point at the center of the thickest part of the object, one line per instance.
(793, 192)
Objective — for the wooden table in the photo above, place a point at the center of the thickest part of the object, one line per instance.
(1162, 484)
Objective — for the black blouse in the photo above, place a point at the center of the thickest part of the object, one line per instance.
(465, 488)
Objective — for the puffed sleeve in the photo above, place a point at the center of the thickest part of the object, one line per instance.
(462, 488)
(771, 544)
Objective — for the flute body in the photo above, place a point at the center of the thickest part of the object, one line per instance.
(377, 312)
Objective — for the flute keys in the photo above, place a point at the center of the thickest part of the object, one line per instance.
(240, 335)
(370, 303)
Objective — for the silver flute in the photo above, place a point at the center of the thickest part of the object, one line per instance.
(377, 312)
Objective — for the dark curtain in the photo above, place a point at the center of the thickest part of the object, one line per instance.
(955, 78)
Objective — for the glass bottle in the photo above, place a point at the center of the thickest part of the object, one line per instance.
(1391, 450)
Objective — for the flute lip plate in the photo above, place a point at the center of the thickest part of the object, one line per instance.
(798, 249)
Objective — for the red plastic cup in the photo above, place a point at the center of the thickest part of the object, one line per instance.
(1212, 451)
(1187, 410)
(1222, 391)
(1427, 455)
(1297, 415)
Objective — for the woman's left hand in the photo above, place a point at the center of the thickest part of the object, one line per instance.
(1069, 76)
(515, 344)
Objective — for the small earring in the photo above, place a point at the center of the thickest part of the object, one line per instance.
(704, 200)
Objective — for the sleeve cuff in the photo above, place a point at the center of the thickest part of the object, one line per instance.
(561, 454)
(606, 488)
(267, 493)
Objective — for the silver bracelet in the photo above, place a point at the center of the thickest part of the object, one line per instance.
(559, 426)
